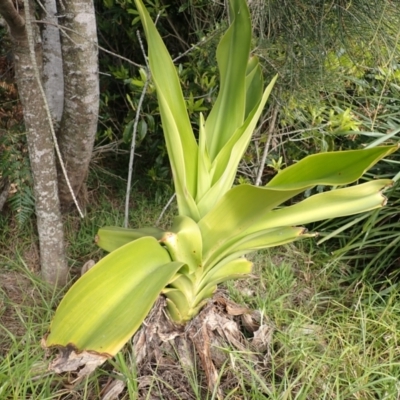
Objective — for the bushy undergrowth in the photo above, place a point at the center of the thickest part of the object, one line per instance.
(370, 242)
(191, 44)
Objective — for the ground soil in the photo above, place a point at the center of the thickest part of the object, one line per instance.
(16, 293)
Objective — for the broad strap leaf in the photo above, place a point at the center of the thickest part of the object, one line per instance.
(181, 143)
(110, 238)
(239, 209)
(224, 167)
(246, 243)
(232, 55)
(245, 206)
(332, 168)
(332, 204)
(106, 306)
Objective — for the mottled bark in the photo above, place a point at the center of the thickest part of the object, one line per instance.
(41, 151)
(81, 89)
(53, 79)
(4, 188)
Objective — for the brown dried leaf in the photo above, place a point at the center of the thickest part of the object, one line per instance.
(263, 338)
(251, 321)
(235, 309)
(113, 390)
(68, 361)
(88, 264)
(201, 341)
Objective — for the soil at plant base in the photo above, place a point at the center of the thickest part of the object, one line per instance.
(206, 353)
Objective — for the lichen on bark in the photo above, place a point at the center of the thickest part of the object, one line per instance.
(79, 123)
(54, 266)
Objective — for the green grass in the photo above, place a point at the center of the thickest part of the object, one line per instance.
(333, 338)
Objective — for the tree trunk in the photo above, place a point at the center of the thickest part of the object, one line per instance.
(81, 103)
(41, 150)
(53, 79)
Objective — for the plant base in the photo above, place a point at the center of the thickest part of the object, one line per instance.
(204, 355)
(211, 354)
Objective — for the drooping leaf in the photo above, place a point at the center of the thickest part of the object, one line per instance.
(236, 219)
(246, 205)
(110, 238)
(327, 205)
(105, 307)
(333, 168)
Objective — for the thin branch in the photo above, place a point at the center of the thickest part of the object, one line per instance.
(200, 43)
(15, 22)
(193, 47)
(165, 208)
(267, 145)
(133, 143)
(63, 29)
(177, 35)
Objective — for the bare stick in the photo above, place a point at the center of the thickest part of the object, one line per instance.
(266, 148)
(47, 109)
(133, 143)
(165, 208)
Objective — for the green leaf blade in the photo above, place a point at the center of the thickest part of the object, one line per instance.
(110, 238)
(261, 239)
(333, 204)
(254, 85)
(100, 312)
(225, 165)
(240, 208)
(232, 55)
(245, 205)
(181, 143)
(332, 168)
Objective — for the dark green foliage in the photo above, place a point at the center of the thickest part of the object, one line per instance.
(14, 165)
(192, 42)
(325, 54)
(14, 160)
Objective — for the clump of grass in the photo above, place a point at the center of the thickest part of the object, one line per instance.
(330, 340)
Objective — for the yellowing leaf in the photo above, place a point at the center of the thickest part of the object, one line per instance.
(105, 307)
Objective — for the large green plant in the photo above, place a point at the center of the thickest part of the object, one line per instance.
(217, 224)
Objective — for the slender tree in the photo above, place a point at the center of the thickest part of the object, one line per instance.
(81, 99)
(53, 92)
